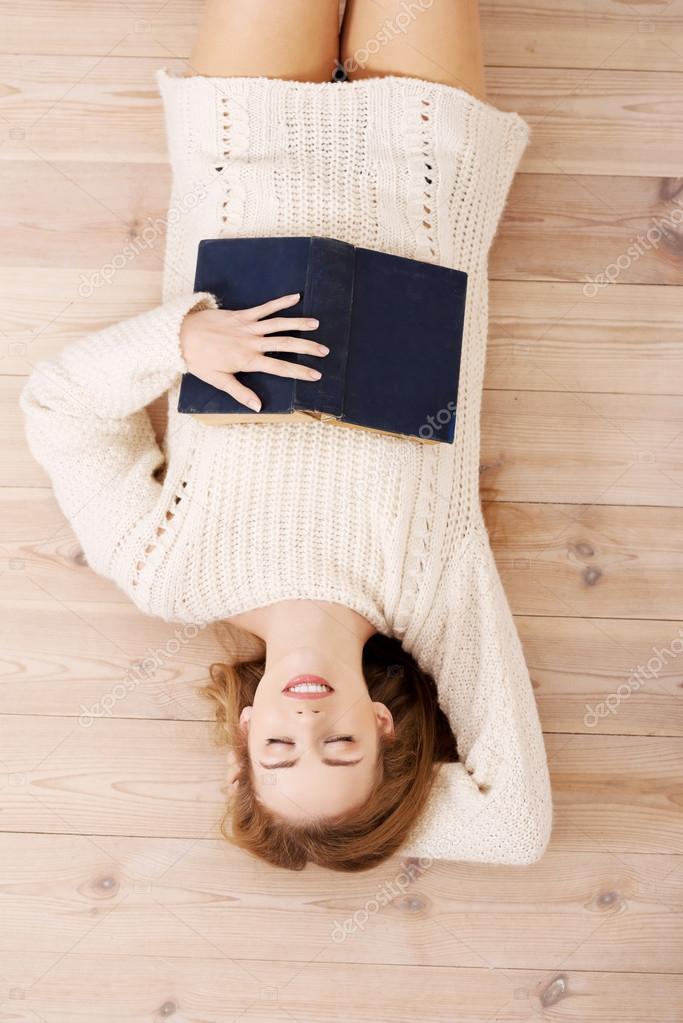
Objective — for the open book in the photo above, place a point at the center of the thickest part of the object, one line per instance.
(393, 326)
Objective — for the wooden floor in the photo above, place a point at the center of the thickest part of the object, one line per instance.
(119, 902)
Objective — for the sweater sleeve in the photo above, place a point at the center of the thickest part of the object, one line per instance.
(494, 805)
(87, 425)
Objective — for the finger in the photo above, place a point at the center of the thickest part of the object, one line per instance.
(298, 345)
(274, 306)
(284, 323)
(228, 383)
(282, 368)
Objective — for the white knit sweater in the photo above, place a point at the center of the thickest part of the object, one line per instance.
(255, 513)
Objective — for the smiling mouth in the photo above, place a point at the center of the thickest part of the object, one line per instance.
(307, 687)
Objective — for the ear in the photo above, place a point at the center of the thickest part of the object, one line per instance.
(245, 717)
(385, 721)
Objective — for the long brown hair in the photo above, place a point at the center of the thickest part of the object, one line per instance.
(370, 834)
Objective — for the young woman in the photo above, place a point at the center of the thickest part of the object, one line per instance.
(360, 562)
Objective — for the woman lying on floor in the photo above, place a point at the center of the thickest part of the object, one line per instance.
(389, 706)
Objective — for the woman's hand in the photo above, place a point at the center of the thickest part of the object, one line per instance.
(217, 343)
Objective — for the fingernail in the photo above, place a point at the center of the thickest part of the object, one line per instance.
(256, 405)
(324, 349)
(313, 323)
(315, 374)
(298, 295)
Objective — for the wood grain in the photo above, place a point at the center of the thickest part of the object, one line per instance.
(572, 34)
(82, 984)
(556, 446)
(559, 560)
(625, 339)
(605, 675)
(589, 561)
(199, 899)
(109, 109)
(584, 671)
(99, 775)
(613, 230)
(120, 900)
(541, 33)
(624, 230)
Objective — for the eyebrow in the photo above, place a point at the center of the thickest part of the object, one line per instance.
(326, 760)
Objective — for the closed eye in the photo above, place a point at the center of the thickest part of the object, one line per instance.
(340, 738)
(279, 742)
(326, 760)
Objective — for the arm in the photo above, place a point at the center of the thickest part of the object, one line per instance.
(87, 426)
(495, 805)
(86, 421)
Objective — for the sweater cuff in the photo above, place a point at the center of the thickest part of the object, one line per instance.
(119, 370)
(178, 309)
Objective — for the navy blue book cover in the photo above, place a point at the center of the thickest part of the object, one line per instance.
(393, 326)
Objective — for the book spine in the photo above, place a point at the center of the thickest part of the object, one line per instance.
(327, 297)
(349, 321)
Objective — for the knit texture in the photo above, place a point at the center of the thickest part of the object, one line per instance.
(219, 520)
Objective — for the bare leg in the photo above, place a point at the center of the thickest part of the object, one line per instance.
(437, 40)
(292, 39)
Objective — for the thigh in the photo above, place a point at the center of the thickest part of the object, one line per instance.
(437, 40)
(292, 39)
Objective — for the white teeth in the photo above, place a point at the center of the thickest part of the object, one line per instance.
(309, 687)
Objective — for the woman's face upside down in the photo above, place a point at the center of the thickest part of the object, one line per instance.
(313, 737)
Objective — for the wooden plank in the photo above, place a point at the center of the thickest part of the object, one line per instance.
(109, 109)
(542, 335)
(44, 309)
(66, 659)
(84, 215)
(625, 339)
(566, 560)
(204, 988)
(165, 779)
(561, 447)
(592, 561)
(80, 776)
(82, 108)
(574, 34)
(204, 899)
(624, 230)
(79, 27)
(87, 215)
(97, 658)
(582, 448)
(540, 33)
(609, 791)
(40, 559)
(606, 675)
(608, 122)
